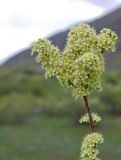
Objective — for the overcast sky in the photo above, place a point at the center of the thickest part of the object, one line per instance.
(23, 21)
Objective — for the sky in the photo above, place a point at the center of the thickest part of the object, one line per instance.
(24, 21)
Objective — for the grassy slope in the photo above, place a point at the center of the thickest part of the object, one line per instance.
(50, 138)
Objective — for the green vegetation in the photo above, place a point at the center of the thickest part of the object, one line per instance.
(25, 96)
(24, 92)
(52, 138)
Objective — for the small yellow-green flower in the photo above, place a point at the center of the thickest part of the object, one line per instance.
(48, 55)
(89, 149)
(85, 119)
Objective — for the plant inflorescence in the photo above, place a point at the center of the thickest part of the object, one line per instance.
(79, 67)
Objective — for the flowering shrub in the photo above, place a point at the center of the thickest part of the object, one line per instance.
(79, 67)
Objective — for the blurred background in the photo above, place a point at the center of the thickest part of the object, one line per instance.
(38, 118)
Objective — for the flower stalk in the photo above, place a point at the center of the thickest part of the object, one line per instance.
(87, 109)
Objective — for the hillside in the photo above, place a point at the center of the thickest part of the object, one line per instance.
(112, 20)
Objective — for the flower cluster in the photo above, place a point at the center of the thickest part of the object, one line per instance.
(81, 39)
(48, 55)
(85, 119)
(106, 40)
(81, 64)
(87, 74)
(89, 149)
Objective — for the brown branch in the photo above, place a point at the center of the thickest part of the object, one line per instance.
(87, 108)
